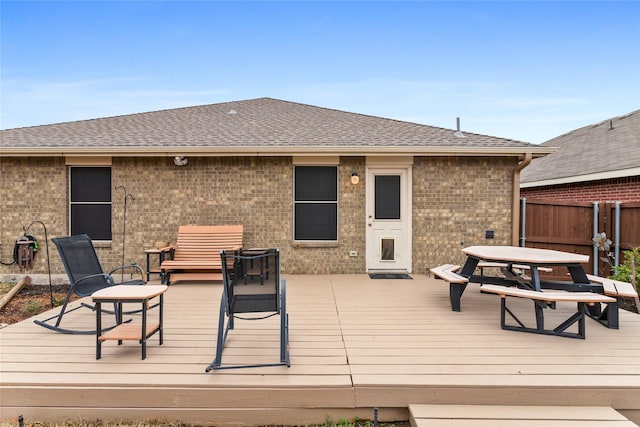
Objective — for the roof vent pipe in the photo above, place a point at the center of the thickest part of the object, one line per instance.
(458, 133)
(610, 124)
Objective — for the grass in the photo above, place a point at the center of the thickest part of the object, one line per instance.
(355, 422)
(5, 288)
(32, 307)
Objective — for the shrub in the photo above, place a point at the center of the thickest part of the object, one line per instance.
(629, 270)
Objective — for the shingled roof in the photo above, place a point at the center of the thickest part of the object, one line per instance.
(609, 149)
(251, 127)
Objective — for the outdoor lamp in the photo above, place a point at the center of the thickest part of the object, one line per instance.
(355, 179)
(180, 160)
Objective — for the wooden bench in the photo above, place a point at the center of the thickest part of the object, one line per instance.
(544, 300)
(457, 283)
(196, 254)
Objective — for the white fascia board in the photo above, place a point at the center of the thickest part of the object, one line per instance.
(623, 173)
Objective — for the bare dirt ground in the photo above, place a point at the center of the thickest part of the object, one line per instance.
(31, 300)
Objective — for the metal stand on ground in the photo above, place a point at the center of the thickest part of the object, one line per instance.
(127, 195)
(46, 244)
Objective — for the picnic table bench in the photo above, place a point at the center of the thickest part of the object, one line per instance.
(544, 299)
(457, 283)
(616, 289)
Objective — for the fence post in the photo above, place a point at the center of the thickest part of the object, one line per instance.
(616, 244)
(523, 222)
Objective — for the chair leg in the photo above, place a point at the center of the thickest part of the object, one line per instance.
(63, 310)
(284, 326)
(222, 336)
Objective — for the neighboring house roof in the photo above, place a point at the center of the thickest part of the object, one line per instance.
(263, 126)
(609, 149)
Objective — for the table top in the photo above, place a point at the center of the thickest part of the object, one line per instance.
(129, 292)
(525, 255)
(157, 250)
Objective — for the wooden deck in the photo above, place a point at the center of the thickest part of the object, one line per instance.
(355, 344)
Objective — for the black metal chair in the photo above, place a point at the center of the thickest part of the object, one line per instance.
(252, 284)
(85, 276)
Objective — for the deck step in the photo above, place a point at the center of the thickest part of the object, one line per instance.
(515, 415)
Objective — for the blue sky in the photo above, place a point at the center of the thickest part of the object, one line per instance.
(523, 70)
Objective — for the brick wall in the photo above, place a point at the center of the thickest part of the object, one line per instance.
(618, 189)
(455, 200)
(32, 189)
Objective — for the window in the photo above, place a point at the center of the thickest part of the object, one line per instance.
(90, 202)
(315, 203)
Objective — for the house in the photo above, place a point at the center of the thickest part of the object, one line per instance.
(590, 185)
(337, 192)
(595, 163)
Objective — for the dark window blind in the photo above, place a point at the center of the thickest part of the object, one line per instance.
(387, 195)
(316, 203)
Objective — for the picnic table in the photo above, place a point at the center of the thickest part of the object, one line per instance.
(534, 259)
(588, 293)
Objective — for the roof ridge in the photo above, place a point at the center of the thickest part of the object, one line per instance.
(593, 125)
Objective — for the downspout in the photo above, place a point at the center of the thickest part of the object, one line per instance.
(515, 208)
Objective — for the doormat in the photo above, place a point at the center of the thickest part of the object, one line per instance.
(389, 276)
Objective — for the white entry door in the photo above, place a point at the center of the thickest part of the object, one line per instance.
(388, 219)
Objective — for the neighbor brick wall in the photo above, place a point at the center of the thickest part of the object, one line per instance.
(618, 189)
(455, 200)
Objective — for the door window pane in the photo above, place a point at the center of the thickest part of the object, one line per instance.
(387, 197)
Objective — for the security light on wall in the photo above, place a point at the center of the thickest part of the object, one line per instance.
(355, 179)
(180, 160)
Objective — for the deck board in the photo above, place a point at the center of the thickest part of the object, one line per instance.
(355, 344)
(515, 416)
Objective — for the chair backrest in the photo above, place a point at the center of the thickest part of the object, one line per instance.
(251, 280)
(80, 260)
(204, 242)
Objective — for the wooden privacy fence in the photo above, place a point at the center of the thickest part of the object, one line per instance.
(571, 227)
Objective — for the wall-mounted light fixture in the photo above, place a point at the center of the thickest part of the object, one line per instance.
(180, 160)
(355, 179)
